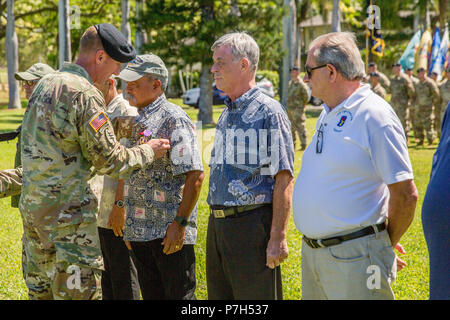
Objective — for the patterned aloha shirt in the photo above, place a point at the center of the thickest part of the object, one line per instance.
(153, 195)
(253, 142)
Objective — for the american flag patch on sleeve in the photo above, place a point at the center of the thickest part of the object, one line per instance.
(98, 121)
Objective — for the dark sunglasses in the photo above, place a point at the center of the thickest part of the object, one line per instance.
(310, 70)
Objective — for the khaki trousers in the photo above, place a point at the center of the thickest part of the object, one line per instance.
(358, 269)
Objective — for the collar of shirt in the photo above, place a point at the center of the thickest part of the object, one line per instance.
(240, 103)
(76, 69)
(354, 99)
(152, 107)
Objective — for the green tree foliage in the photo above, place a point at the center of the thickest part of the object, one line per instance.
(181, 35)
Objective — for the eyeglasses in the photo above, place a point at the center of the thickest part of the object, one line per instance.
(29, 82)
(319, 143)
(310, 70)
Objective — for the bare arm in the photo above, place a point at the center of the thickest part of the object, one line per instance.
(277, 249)
(174, 239)
(402, 204)
(117, 217)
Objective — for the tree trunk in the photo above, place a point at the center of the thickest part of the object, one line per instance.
(65, 53)
(12, 58)
(287, 45)
(126, 29)
(442, 13)
(206, 78)
(140, 37)
(335, 20)
(205, 100)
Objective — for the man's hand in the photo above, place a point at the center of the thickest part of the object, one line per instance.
(277, 251)
(159, 146)
(174, 239)
(117, 220)
(277, 248)
(400, 263)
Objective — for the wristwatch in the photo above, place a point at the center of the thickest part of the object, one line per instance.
(119, 203)
(182, 221)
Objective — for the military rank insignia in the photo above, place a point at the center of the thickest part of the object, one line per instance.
(98, 121)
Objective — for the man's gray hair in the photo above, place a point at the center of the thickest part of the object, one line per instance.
(164, 80)
(242, 46)
(340, 50)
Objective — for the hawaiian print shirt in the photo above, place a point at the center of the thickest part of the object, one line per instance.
(153, 195)
(253, 142)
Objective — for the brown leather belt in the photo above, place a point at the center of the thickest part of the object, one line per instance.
(322, 243)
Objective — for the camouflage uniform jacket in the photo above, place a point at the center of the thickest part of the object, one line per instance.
(65, 133)
(402, 88)
(444, 89)
(297, 95)
(384, 81)
(104, 187)
(379, 90)
(427, 92)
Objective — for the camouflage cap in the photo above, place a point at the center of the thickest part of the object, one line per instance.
(143, 65)
(35, 72)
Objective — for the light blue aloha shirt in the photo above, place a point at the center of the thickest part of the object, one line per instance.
(253, 142)
(153, 195)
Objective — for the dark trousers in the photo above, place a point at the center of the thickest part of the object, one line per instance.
(119, 280)
(165, 277)
(236, 258)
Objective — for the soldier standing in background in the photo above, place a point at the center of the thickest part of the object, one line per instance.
(402, 91)
(444, 90)
(427, 95)
(30, 78)
(384, 80)
(412, 106)
(376, 86)
(65, 133)
(296, 105)
(437, 107)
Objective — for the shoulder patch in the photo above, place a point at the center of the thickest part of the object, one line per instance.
(98, 121)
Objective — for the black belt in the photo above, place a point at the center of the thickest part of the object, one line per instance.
(223, 212)
(322, 243)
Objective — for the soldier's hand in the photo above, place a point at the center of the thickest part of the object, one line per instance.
(159, 146)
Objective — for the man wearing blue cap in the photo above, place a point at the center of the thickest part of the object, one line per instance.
(66, 132)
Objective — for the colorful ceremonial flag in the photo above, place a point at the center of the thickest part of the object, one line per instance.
(444, 50)
(434, 62)
(407, 58)
(376, 42)
(421, 58)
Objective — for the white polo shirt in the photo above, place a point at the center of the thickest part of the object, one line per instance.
(344, 187)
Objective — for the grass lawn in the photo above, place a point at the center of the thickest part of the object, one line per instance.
(411, 283)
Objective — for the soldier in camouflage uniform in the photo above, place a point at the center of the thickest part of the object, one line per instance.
(296, 104)
(402, 92)
(66, 133)
(437, 107)
(427, 95)
(30, 78)
(10, 182)
(412, 107)
(384, 80)
(376, 86)
(444, 89)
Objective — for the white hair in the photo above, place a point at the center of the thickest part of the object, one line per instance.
(340, 50)
(242, 46)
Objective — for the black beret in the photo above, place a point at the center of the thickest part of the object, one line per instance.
(420, 70)
(372, 64)
(396, 64)
(115, 43)
(295, 68)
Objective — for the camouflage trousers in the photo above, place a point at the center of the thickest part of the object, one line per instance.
(402, 111)
(62, 264)
(298, 124)
(423, 119)
(443, 109)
